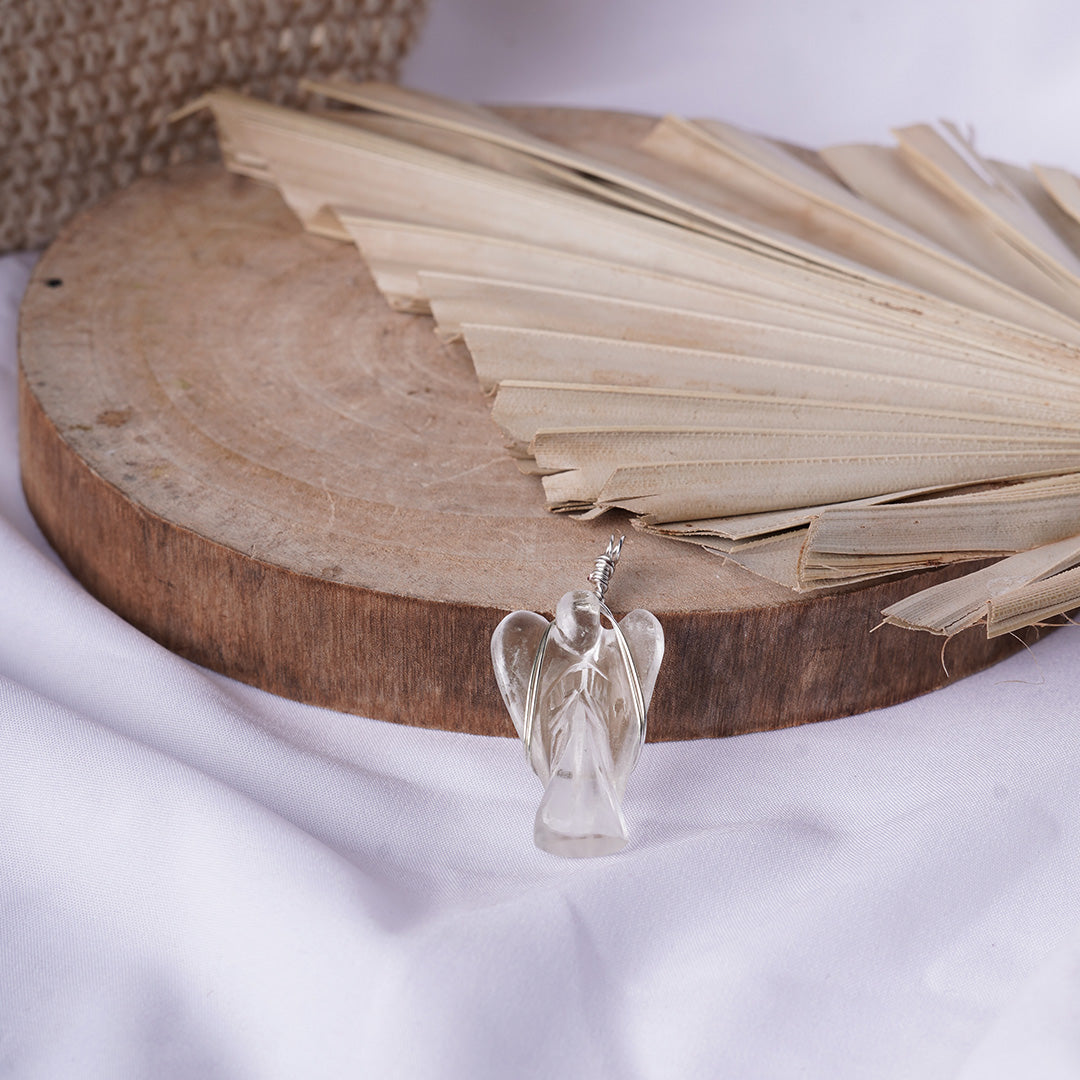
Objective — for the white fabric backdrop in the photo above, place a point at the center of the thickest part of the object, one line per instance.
(198, 879)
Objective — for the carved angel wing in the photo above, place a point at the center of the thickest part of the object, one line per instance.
(513, 646)
(645, 637)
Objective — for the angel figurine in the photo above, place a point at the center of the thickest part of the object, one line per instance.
(578, 693)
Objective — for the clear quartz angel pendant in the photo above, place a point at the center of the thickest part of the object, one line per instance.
(578, 692)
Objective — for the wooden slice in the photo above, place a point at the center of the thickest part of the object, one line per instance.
(234, 443)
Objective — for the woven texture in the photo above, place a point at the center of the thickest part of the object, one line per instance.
(87, 86)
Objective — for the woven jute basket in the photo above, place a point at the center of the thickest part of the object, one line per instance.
(87, 86)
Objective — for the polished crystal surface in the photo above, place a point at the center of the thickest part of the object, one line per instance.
(586, 731)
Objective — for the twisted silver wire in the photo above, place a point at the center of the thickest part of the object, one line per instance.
(605, 567)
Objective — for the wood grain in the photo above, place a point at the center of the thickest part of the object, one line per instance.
(234, 443)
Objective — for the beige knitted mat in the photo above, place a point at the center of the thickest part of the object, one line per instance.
(86, 88)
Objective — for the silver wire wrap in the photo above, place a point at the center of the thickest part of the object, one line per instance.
(601, 575)
(532, 695)
(605, 567)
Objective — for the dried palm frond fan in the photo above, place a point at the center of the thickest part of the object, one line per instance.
(824, 366)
